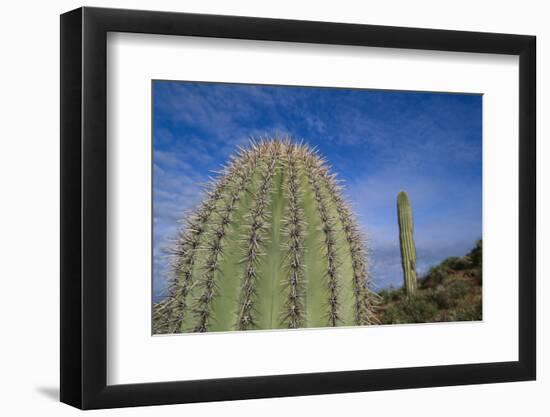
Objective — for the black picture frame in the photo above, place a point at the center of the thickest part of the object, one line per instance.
(84, 207)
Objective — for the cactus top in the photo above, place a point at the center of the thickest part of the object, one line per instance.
(272, 245)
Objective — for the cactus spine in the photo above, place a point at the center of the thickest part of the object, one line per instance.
(406, 242)
(273, 245)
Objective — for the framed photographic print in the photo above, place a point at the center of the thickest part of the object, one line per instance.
(259, 207)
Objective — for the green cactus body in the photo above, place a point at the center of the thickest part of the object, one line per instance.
(406, 242)
(273, 245)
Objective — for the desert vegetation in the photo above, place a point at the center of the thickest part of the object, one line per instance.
(449, 291)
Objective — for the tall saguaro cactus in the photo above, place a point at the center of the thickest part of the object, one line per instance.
(273, 245)
(406, 242)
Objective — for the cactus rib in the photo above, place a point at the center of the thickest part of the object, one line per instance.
(185, 251)
(355, 241)
(295, 235)
(254, 242)
(215, 248)
(327, 225)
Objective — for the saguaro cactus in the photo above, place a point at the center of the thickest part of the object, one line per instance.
(406, 242)
(273, 245)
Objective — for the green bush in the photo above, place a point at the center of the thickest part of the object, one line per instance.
(436, 275)
(450, 291)
(475, 254)
(456, 263)
(398, 294)
(384, 294)
(458, 289)
(470, 313)
(478, 276)
(411, 310)
(442, 299)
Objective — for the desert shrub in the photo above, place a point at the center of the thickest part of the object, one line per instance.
(456, 263)
(383, 294)
(469, 313)
(478, 276)
(436, 275)
(475, 254)
(398, 294)
(458, 289)
(442, 299)
(391, 294)
(411, 310)
(450, 291)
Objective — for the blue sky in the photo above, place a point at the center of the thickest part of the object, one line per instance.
(378, 142)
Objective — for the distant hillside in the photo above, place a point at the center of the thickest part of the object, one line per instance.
(450, 291)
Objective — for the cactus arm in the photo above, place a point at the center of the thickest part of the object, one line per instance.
(406, 242)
